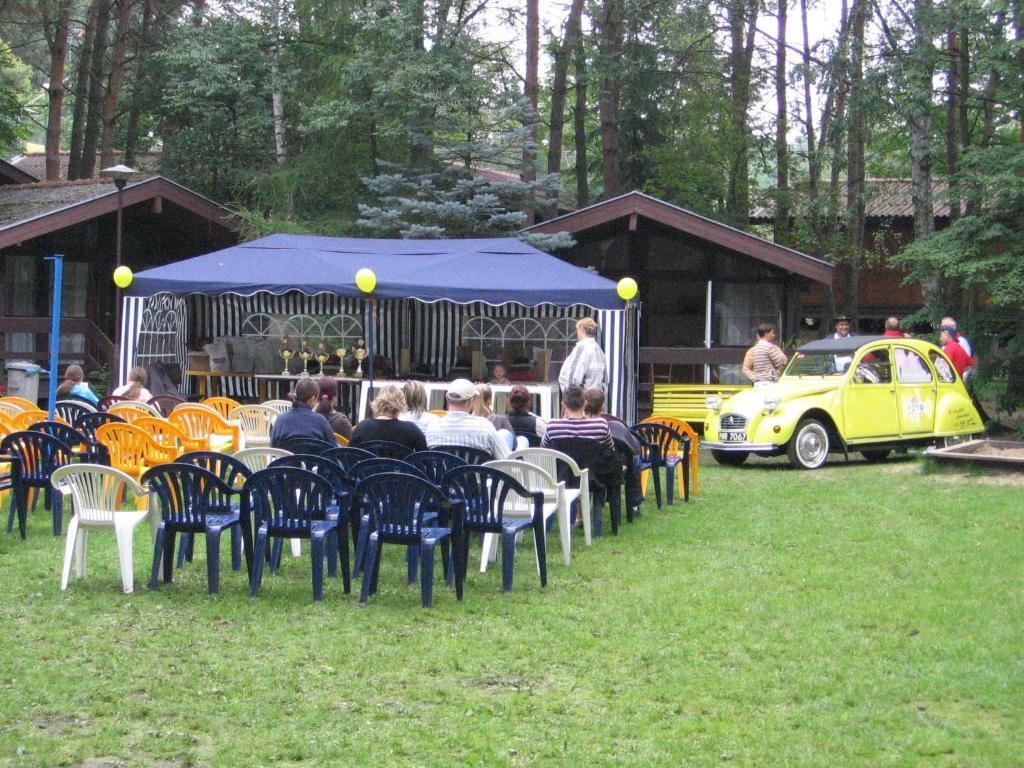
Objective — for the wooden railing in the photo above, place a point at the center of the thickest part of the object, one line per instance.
(99, 350)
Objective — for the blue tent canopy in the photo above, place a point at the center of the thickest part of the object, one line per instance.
(494, 270)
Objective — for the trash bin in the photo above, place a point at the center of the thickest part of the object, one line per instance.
(23, 380)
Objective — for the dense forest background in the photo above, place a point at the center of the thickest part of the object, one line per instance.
(366, 116)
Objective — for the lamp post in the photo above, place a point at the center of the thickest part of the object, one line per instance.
(120, 174)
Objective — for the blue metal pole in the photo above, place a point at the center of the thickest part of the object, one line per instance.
(58, 283)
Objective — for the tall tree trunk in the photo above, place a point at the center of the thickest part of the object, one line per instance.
(955, 74)
(813, 166)
(609, 29)
(782, 198)
(742, 30)
(131, 130)
(855, 160)
(559, 85)
(531, 90)
(1018, 26)
(422, 148)
(56, 32)
(82, 92)
(277, 89)
(923, 64)
(94, 109)
(579, 122)
(113, 98)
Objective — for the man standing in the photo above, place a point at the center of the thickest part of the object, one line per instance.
(586, 366)
(460, 427)
(892, 329)
(955, 353)
(764, 361)
(842, 332)
(949, 322)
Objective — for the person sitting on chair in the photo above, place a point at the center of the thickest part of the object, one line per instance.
(575, 422)
(328, 400)
(75, 385)
(135, 389)
(593, 407)
(416, 406)
(461, 427)
(522, 419)
(385, 423)
(482, 407)
(302, 420)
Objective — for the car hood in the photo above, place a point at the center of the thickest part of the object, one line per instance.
(788, 388)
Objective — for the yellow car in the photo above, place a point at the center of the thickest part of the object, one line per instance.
(864, 394)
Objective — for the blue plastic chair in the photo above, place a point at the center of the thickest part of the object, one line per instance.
(397, 505)
(309, 445)
(483, 492)
(649, 458)
(290, 502)
(34, 457)
(88, 423)
(191, 500)
(234, 474)
(94, 453)
(358, 473)
(435, 464)
(71, 410)
(605, 477)
(347, 457)
(340, 510)
(663, 436)
(386, 449)
(467, 454)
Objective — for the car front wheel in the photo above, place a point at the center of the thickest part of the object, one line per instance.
(729, 458)
(810, 445)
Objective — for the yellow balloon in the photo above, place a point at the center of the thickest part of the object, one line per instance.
(123, 277)
(627, 288)
(366, 280)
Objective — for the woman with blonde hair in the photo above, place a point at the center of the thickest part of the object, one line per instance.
(482, 407)
(385, 424)
(416, 406)
(135, 389)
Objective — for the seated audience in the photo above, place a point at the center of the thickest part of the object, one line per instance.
(302, 420)
(75, 385)
(385, 424)
(328, 400)
(575, 423)
(593, 407)
(461, 427)
(522, 419)
(416, 406)
(135, 389)
(482, 408)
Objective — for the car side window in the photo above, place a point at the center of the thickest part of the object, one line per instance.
(911, 367)
(874, 368)
(942, 368)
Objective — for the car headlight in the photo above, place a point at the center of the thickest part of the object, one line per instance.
(771, 402)
(712, 402)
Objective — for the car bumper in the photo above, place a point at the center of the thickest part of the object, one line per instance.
(750, 447)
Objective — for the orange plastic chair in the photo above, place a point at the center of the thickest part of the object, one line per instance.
(20, 403)
(133, 451)
(679, 425)
(26, 419)
(132, 410)
(223, 405)
(342, 440)
(440, 413)
(6, 425)
(167, 434)
(203, 423)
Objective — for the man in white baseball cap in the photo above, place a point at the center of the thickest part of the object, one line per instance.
(460, 427)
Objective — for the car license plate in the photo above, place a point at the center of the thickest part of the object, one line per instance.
(733, 437)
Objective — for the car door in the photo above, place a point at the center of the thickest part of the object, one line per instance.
(915, 392)
(869, 397)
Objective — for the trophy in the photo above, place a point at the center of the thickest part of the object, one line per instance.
(340, 352)
(359, 353)
(305, 354)
(322, 357)
(286, 354)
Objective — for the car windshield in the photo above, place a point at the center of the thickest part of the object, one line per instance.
(817, 364)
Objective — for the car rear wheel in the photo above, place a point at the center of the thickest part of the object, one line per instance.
(810, 445)
(730, 458)
(874, 456)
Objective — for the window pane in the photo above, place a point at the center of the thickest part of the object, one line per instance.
(911, 367)
(942, 368)
(874, 368)
(75, 285)
(20, 278)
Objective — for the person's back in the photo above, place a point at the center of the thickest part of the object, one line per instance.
(575, 423)
(385, 424)
(302, 420)
(460, 427)
(764, 361)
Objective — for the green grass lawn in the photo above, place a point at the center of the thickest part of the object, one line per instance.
(857, 615)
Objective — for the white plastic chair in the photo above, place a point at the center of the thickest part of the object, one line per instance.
(281, 406)
(94, 491)
(548, 460)
(260, 458)
(255, 421)
(532, 478)
(120, 406)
